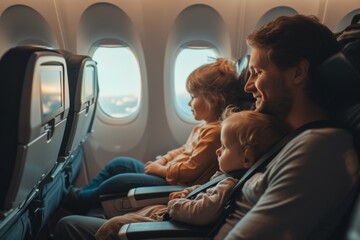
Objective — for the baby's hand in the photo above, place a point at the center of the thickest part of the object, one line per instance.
(218, 173)
(173, 195)
(183, 193)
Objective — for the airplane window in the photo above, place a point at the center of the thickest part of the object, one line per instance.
(187, 60)
(119, 81)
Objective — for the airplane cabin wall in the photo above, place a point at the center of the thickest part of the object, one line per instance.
(93, 23)
(27, 21)
(155, 30)
(338, 15)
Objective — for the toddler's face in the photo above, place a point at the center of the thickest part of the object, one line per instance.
(230, 154)
(199, 107)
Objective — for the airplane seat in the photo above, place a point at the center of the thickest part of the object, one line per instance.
(34, 99)
(339, 79)
(345, 101)
(83, 87)
(347, 111)
(83, 93)
(117, 204)
(247, 100)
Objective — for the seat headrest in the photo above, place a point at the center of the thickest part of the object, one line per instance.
(242, 69)
(338, 77)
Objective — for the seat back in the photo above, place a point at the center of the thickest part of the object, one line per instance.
(83, 88)
(83, 91)
(246, 99)
(34, 99)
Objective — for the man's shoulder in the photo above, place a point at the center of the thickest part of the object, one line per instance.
(323, 136)
(317, 147)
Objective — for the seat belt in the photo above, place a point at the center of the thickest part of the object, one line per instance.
(260, 164)
(235, 174)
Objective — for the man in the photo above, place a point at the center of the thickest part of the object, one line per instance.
(301, 192)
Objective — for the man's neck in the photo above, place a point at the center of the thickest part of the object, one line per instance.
(303, 114)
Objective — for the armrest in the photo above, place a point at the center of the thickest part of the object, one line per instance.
(162, 230)
(136, 198)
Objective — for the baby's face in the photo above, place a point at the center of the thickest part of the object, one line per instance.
(230, 154)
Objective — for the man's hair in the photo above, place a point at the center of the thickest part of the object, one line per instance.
(254, 130)
(291, 39)
(218, 83)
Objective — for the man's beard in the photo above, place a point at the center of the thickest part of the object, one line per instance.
(278, 107)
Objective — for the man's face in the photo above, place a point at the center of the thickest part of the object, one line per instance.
(269, 85)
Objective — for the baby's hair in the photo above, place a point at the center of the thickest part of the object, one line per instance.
(255, 131)
(229, 110)
(218, 83)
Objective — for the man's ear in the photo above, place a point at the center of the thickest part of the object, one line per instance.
(247, 163)
(249, 157)
(301, 71)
